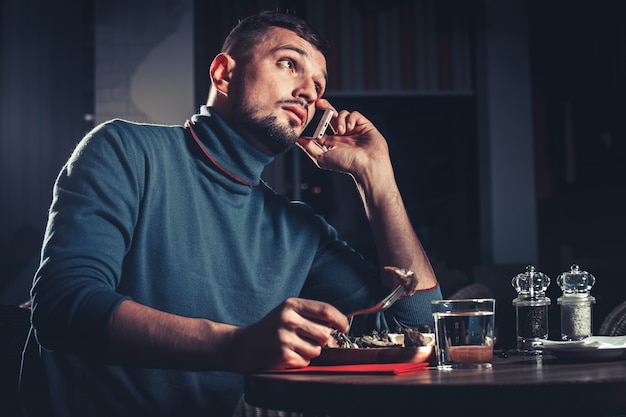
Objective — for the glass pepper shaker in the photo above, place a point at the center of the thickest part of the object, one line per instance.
(531, 309)
(576, 303)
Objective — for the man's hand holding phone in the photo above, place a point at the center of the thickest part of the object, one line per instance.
(354, 145)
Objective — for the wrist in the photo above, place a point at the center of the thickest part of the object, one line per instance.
(233, 359)
(377, 187)
(220, 347)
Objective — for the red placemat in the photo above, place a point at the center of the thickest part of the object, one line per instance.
(369, 368)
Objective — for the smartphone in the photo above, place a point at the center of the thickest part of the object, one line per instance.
(320, 124)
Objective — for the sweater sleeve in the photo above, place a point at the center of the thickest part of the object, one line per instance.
(90, 226)
(412, 311)
(341, 276)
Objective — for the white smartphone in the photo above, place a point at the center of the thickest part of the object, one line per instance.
(320, 124)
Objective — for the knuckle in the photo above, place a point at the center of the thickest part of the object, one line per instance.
(291, 303)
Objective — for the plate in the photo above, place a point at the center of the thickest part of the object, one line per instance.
(346, 356)
(593, 348)
(578, 354)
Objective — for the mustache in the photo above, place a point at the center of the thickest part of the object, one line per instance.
(294, 101)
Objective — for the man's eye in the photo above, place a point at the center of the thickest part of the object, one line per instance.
(287, 63)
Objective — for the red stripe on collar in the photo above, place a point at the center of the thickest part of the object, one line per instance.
(221, 168)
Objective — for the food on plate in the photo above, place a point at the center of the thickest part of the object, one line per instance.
(414, 337)
(403, 337)
(341, 340)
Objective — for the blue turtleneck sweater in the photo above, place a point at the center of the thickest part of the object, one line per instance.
(178, 219)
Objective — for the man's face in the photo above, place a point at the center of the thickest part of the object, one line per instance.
(273, 95)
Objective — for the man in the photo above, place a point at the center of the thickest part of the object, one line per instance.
(169, 268)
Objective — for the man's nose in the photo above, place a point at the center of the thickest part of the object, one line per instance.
(307, 91)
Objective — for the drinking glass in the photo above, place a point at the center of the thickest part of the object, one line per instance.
(464, 331)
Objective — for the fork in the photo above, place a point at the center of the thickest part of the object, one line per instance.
(382, 305)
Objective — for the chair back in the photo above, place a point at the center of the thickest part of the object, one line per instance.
(615, 322)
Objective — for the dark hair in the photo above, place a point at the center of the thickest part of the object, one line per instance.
(242, 39)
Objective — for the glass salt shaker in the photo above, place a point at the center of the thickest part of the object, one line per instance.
(576, 303)
(531, 309)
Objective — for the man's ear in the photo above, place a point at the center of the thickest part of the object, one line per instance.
(221, 72)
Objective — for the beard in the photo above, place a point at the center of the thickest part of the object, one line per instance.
(276, 137)
(267, 130)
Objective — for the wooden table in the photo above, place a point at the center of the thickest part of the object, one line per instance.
(516, 386)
